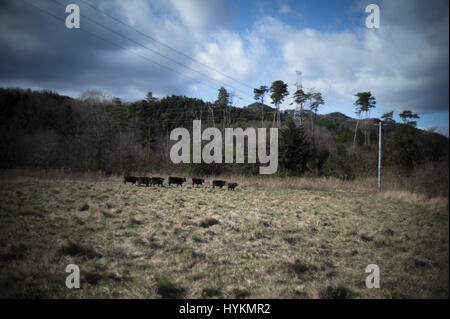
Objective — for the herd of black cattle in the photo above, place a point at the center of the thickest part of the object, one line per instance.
(159, 181)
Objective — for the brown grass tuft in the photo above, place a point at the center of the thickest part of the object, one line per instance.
(417, 199)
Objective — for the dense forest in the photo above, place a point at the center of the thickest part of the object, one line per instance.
(44, 130)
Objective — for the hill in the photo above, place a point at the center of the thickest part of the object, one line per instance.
(256, 107)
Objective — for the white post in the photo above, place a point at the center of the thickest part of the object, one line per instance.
(379, 156)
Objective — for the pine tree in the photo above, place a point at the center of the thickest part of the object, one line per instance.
(279, 92)
(407, 116)
(259, 95)
(363, 104)
(295, 148)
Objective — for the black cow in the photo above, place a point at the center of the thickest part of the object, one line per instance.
(144, 180)
(232, 186)
(218, 183)
(197, 181)
(176, 180)
(129, 179)
(157, 181)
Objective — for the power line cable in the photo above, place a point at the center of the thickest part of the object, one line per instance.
(155, 51)
(163, 44)
(122, 47)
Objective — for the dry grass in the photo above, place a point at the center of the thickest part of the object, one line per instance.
(267, 181)
(267, 239)
(426, 183)
(433, 203)
(431, 179)
(55, 174)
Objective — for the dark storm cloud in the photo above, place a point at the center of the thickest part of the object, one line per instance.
(418, 33)
(39, 51)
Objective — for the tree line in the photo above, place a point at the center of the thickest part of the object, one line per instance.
(95, 132)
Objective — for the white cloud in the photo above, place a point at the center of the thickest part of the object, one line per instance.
(231, 53)
(403, 67)
(201, 15)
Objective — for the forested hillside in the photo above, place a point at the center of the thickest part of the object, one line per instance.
(41, 129)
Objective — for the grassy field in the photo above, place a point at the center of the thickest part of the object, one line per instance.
(256, 242)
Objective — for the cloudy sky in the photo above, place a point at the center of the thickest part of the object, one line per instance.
(192, 47)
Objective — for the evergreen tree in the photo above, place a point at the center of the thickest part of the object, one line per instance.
(316, 102)
(300, 98)
(388, 118)
(407, 116)
(259, 95)
(222, 102)
(363, 104)
(279, 92)
(294, 148)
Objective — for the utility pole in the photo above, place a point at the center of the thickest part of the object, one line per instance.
(379, 154)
